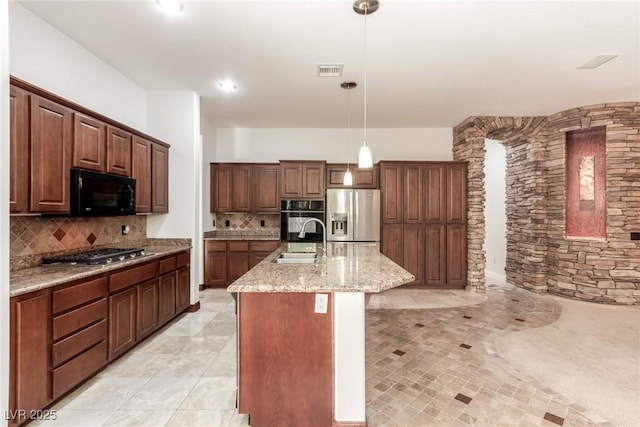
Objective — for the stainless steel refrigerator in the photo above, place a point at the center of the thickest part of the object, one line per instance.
(353, 215)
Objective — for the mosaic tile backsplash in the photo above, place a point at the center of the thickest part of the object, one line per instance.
(245, 222)
(31, 237)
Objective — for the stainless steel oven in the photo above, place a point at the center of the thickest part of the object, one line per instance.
(294, 213)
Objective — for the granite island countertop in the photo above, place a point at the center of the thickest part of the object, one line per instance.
(241, 235)
(33, 279)
(348, 267)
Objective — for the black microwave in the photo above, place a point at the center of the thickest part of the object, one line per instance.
(101, 194)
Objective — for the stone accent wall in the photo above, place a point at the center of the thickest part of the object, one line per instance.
(539, 256)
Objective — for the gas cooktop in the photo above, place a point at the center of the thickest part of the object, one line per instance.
(96, 256)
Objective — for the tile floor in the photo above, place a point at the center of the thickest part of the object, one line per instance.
(431, 361)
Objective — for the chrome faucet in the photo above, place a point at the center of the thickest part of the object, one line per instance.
(324, 234)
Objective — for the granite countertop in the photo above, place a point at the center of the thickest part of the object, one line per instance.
(36, 278)
(241, 235)
(348, 267)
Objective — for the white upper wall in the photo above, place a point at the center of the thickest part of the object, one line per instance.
(45, 57)
(209, 146)
(332, 145)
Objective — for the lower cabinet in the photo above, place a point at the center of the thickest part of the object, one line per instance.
(167, 297)
(183, 287)
(122, 322)
(227, 260)
(147, 320)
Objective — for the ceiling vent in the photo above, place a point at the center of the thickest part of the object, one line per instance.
(330, 70)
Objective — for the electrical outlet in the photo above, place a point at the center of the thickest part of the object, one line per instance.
(125, 230)
(322, 301)
(226, 222)
(214, 222)
(262, 223)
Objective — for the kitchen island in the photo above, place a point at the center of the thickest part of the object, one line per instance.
(301, 335)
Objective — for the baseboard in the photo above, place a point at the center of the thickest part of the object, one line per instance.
(202, 287)
(193, 308)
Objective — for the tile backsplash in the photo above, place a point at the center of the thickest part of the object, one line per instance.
(246, 222)
(31, 237)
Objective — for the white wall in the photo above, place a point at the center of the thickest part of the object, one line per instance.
(209, 147)
(495, 243)
(174, 117)
(333, 145)
(45, 57)
(4, 210)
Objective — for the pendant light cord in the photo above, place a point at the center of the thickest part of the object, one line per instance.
(365, 73)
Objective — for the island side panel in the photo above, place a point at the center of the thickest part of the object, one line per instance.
(285, 353)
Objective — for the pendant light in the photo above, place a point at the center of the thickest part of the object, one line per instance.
(365, 7)
(348, 85)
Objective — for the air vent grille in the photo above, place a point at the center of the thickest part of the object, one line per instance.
(330, 70)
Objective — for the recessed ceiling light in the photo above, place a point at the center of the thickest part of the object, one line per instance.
(170, 6)
(596, 62)
(227, 86)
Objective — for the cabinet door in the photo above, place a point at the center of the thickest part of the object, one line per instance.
(456, 193)
(141, 172)
(456, 255)
(167, 294)
(89, 143)
(290, 180)
(391, 192)
(412, 193)
(183, 288)
(413, 251)
(215, 263)
(19, 150)
(366, 178)
(237, 259)
(50, 155)
(29, 352)
(242, 188)
(122, 322)
(118, 151)
(147, 308)
(392, 245)
(435, 193)
(159, 179)
(313, 180)
(265, 188)
(362, 178)
(221, 184)
(435, 255)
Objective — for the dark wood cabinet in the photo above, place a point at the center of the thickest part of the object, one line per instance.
(457, 255)
(118, 151)
(392, 243)
(19, 150)
(183, 288)
(435, 255)
(362, 178)
(237, 259)
(89, 143)
(412, 201)
(265, 188)
(242, 187)
(29, 352)
(391, 192)
(302, 180)
(221, 187)
(227, 260)
(141, 172)
(50, 156)
(148, 300)
(122, 322)
(215, 263)
(456, 194)
(413, 250)
(259, 250)
(167, 297)
(435, 193)
(159, 179)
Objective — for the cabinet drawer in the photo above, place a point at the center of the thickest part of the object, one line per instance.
(182, 259)
(79, 342)
(269, 246)
(131, 276)
(75, 295)
(78, 369)
(78, 319)
(216, 246)
(167, 264)
(238, 246)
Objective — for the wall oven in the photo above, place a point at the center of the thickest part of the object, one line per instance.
(294, 213)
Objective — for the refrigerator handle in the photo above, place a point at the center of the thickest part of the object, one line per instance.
(356, 216)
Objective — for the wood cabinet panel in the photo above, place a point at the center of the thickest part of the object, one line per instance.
(29, 351)
(77, 343)
(118, 151)
(392, 244)
(122, 322)
(265, 188)
(89, 143)
(412, 198)
(290, 180)
(413, 250)
(456, 193)
(456, 255)
(50, 156)
(77, 294)
(123, 278)
(215, 267)
(221, 188)
(79, 318)
(167, 297)
(78, 369)
(237, 264)
(260, 250)
(18, 150)
(147, 309)
(313, 180)
(167, 264)
(242, 188)
(391, 192)
(183, 289)
(141, 172)
(362, 178)
(159, 179)
(436, 255)
(435, 193)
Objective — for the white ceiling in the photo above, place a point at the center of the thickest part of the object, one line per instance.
(430, 63)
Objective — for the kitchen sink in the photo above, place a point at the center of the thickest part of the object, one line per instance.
(295, 258)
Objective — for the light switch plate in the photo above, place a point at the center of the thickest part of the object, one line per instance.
(322, 301)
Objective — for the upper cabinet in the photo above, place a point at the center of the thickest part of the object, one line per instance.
(141, 172)
(159, 178)
(302, 180)
(19, 150)
(362, 178)
(244, 187)
(391, 192)
(118, 151)
(89, 143)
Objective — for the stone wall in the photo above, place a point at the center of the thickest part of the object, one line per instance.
(539, 256)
